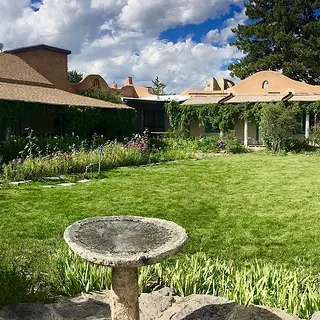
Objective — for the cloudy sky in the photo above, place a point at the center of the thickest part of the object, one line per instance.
(182, 41)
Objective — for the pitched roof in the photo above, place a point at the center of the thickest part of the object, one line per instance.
(199, 100)
(305, 97)
(258, 98)
(22, 92)
(15, 70)
(19, 81)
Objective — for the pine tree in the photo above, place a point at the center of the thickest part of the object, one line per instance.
(283, 35)
(158, 87)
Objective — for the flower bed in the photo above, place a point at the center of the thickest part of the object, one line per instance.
(39, 159)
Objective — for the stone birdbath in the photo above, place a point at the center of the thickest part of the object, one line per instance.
(125, 243)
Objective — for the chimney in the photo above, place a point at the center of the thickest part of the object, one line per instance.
(128, 81)
(114, 85)
(212, 84)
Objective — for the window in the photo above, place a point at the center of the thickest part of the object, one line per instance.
(265, 85)
(96, 84)
(209, 128)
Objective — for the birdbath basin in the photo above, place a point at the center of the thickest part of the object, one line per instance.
(125, 243)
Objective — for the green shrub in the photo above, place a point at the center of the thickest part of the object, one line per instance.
(277, 123)
(9, 149)
(296, 145)
(232, 143)
(18, 283)
(315, 135)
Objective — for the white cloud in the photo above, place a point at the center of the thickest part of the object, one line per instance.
(225, 34)
(120, 37)
(155, 16)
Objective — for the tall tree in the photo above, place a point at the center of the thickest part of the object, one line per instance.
(158, 87)
(282, 35)
(74, 76)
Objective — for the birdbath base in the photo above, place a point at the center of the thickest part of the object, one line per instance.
(124, 296)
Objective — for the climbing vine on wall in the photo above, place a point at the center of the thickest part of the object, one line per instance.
(83, 121)
(224, 116)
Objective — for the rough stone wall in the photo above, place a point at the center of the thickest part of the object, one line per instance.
(158, 305)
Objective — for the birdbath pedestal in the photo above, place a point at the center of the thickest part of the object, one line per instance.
(125, 243)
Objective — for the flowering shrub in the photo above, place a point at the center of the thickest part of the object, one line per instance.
(221, 144)
(140, 143)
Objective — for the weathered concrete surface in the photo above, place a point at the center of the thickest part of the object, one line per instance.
(124, 294)
(159, 305)
(125, 241)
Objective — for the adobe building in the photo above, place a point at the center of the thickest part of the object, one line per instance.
(263, 86)
(38, 75)
(44, 66)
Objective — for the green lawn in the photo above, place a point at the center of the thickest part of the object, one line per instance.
(239, 207)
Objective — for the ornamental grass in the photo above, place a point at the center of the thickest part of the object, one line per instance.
(295, 291)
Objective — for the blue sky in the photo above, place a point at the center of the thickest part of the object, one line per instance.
(197, 31)
(184, 42)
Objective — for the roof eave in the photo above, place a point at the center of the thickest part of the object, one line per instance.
(39, 46)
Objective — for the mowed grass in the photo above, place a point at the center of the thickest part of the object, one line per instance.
(237, 207)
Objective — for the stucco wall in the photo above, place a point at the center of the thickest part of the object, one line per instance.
(52, 65)
(88, 82)
(276, 83)
(239, 129)
(198, 130)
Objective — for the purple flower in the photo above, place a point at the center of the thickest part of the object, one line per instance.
(19, 160)
(14, 171)
(14, 161)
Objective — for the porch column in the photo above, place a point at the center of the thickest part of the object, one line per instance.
(7, 133)
(142, 128)
(307, 132)
(245, 133)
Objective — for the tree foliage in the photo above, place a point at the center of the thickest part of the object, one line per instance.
(74, 76)
(283, 35)
(277, 123)
(103, 94)
(158, 87)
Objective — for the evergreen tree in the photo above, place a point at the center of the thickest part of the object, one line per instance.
(158, 87)
(283, 35)
(74, 76)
